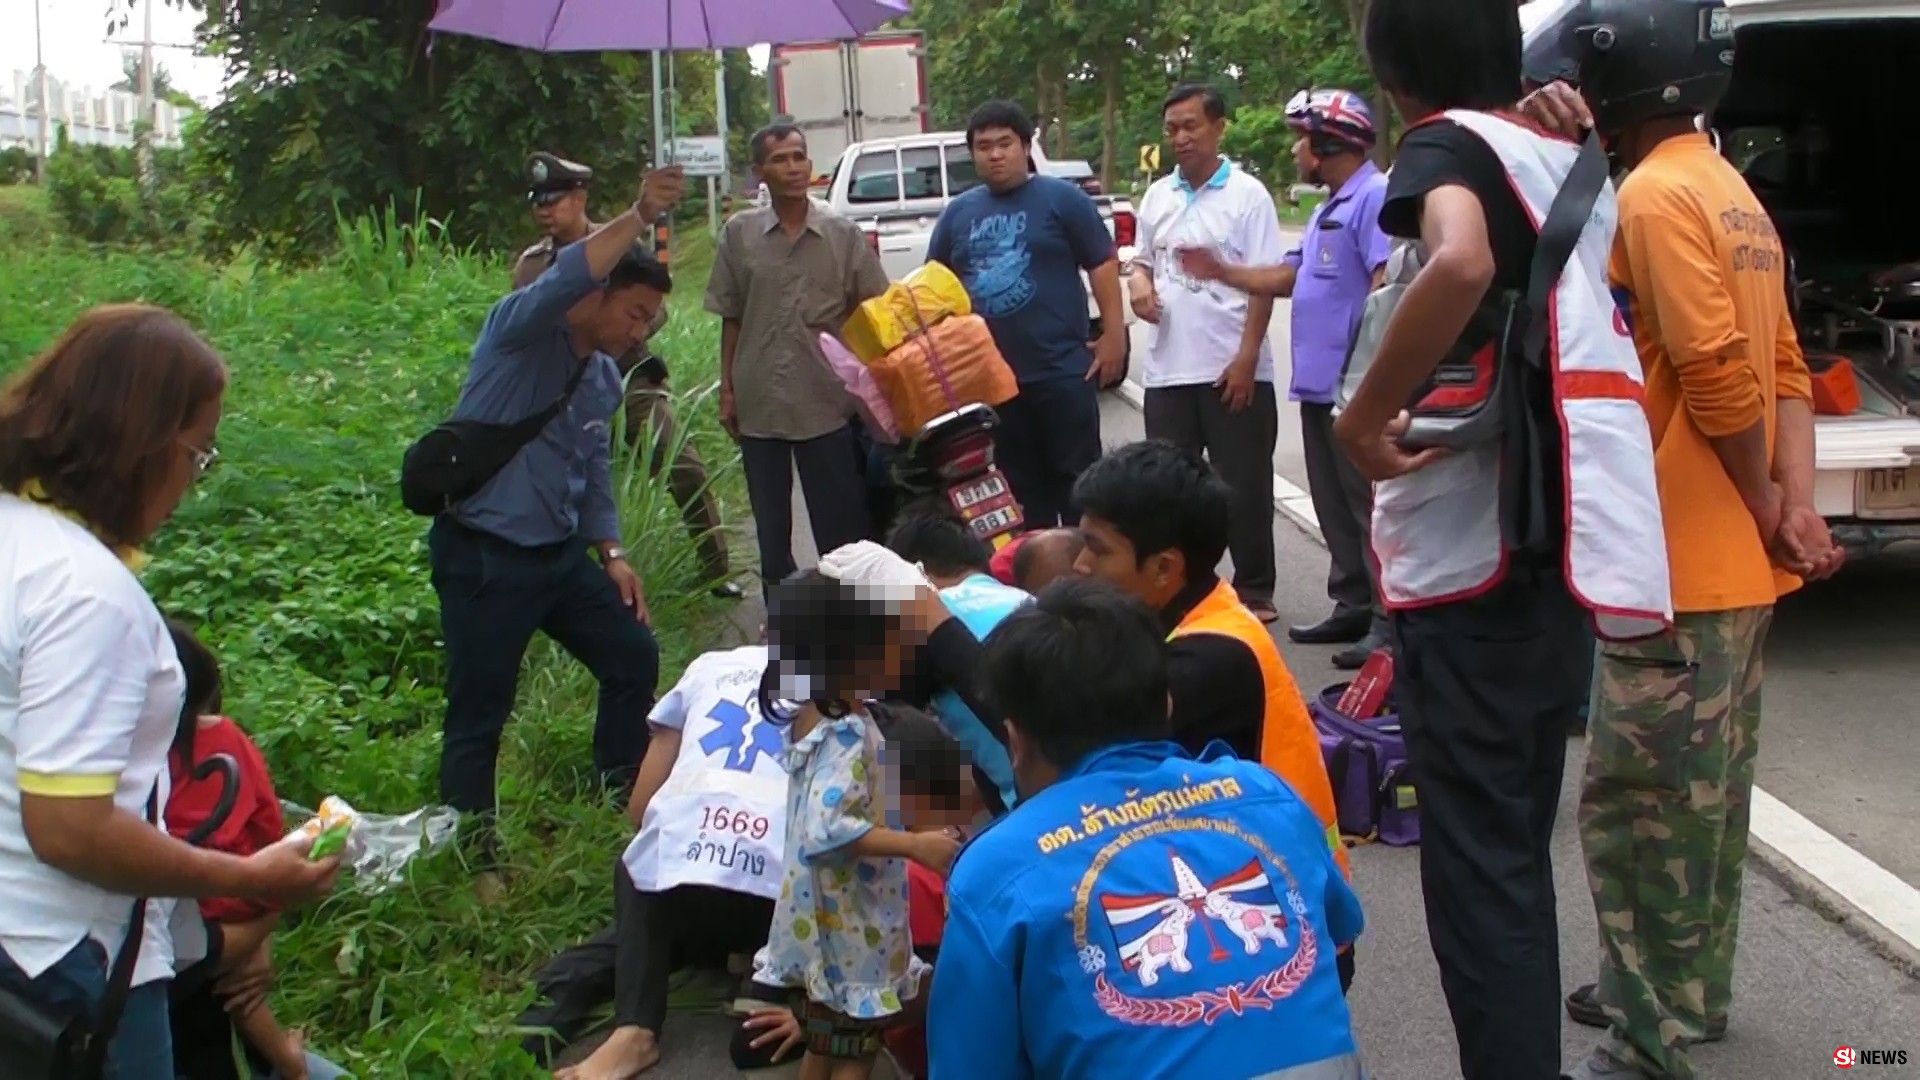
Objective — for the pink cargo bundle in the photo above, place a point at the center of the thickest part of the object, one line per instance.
(875, 412)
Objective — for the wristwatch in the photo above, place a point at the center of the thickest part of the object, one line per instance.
(613, 554)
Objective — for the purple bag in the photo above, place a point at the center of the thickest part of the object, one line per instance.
(1367, 762)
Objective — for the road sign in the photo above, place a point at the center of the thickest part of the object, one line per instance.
(700, 155)
(1150, 158)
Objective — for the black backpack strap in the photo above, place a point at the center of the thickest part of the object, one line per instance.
(1559, 235)
(113, 1002)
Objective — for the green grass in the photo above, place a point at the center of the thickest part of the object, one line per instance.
(309, 578)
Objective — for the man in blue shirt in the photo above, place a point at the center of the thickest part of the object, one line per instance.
(1142, 913)
(1019, 242)
(956, 562)
(513, 558)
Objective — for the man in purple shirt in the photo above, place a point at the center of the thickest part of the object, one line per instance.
(1328, 276)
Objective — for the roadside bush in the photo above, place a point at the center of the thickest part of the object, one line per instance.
(309, 579)
(96, 193)
(16, 166)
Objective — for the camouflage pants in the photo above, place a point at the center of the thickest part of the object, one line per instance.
(1664, 812)
(650, 410)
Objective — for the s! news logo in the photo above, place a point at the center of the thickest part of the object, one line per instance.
(1847, 1057)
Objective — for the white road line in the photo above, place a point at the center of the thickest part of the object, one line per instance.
(1865, 885)
(1876, 893)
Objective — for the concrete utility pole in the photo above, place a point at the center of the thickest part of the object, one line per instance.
(724, 186)
(143, 126)
(46, 125)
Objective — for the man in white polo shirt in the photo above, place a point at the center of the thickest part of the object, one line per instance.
(1209, 376)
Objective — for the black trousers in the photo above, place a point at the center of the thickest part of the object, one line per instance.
(493, 597)
(1048, 435)
(1240, 447)
(832, 477)
(687, 924)
(1343, 501)
(1485, 697)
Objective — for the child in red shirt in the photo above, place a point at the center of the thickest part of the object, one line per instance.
(936, 792)
(255, 822)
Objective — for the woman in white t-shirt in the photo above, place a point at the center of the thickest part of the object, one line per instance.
(100, 438)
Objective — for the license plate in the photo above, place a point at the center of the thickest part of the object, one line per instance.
(1890, 493)
(978, 492)
(994, 521)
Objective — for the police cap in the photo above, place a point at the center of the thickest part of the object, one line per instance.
(1633, 60)
(550, 176)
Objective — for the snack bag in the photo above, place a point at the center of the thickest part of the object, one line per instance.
(331, 828)
(912, 305)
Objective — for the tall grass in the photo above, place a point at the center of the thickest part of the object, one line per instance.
(310, 580)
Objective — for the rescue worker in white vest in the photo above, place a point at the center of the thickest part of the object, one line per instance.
(1481, 608)
(557, 189)
(1700, 274)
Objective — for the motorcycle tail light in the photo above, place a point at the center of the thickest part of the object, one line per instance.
(969, 457)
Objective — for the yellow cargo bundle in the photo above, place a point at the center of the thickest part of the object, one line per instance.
(884, 323)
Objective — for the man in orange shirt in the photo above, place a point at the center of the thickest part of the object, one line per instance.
(1155, 519)
(1700, 275)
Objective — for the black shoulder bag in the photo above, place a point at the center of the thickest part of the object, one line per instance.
(1468, 400)
(451, 463)
(43, 1042)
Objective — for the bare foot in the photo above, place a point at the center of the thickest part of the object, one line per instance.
(627, 1053)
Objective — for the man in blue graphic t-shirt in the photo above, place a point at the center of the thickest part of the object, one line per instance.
(1018, 243)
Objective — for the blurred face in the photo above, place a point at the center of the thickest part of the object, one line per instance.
(954, 807)
(1195, 138)
(999, 158)
(561, 214)
(615, 320)
(189, 458)
(787, 170)
(1304, 160)
(1110, 556)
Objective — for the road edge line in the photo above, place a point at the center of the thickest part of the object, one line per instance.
(1817, 868)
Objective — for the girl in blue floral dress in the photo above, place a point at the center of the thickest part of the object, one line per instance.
(839, 928)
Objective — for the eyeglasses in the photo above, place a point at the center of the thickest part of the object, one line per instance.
(203, 460)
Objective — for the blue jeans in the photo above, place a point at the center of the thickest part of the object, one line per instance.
(142, 1046)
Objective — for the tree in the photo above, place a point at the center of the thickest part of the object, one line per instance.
(350, 106)
(1096, 70)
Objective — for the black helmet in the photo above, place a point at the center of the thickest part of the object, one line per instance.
(1633, 60)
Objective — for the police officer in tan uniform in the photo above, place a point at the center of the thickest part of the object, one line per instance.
(557, 189)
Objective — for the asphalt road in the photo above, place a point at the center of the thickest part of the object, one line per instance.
(1804, 985)
(1843, 667)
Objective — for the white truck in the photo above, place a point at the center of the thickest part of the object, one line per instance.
(895, 188)
(1839, 154)
(842, 92)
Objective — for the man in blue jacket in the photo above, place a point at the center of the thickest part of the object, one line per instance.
(1143, 913)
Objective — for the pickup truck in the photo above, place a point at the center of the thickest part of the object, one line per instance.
(1843, 206)
(895, 189)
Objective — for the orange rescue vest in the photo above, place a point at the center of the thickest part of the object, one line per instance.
(1288, 744)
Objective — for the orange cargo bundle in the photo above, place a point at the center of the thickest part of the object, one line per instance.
(954, 363)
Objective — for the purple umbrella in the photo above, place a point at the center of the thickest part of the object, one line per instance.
(646, 25)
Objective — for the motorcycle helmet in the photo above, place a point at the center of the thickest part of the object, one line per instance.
(1333, 121)
(1633, 60)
